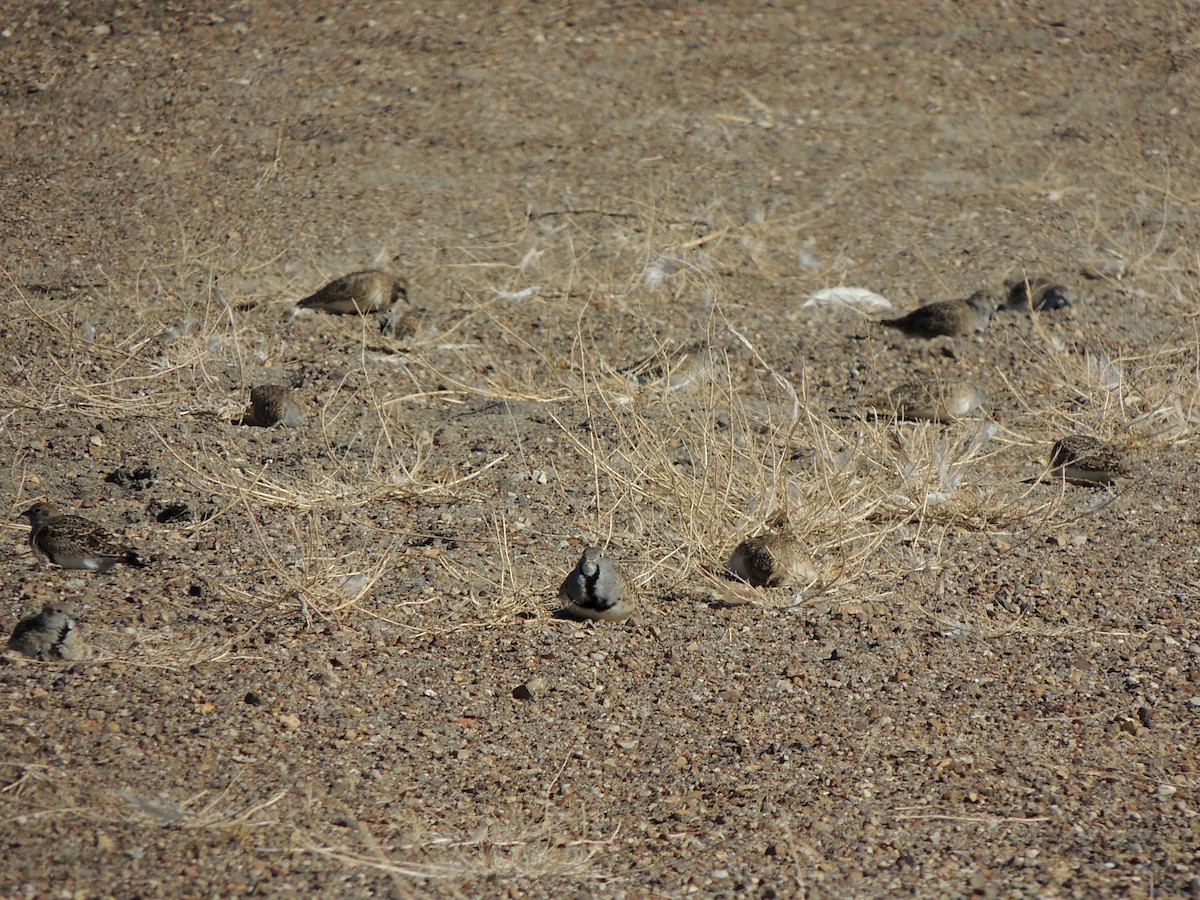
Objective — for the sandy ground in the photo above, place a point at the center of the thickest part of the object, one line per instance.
(343, 673)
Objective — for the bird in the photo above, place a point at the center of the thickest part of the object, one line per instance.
(595, 589)
(771, 560)
(50, 634)
(72, 542)
(368, 291)
(402, 323)
(933, 400)
(1084, 460)
(1035, 293)
(273, 404)
(953, 318)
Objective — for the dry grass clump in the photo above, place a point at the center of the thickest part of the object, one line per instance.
(33, 791)
(694, 439)
(204, 810)
(297, 570)
(174, 362)
(548, 849)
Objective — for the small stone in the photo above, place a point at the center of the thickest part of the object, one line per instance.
(254, 699)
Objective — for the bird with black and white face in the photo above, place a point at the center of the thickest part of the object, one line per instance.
(596, 589)
(50, 634)
(1038, 293)
(73, 542)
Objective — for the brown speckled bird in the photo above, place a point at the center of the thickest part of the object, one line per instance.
(771, 560)
(953, 318)
(1084, 460)
(932, 400)
(273, 404)
(402, 323)
(367, 291)
(51, 634)
(72, 542)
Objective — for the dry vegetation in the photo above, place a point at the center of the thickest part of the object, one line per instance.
(312, 689)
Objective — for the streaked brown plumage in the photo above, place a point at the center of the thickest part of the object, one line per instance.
(402, 322)
(771, 560)
(933, 400)
(273, 404)
(953, 318)
(1084, 460)
(72, 542)
(367, 291)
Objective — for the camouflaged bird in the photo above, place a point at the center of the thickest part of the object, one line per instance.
(1035, 293)
(402, 323)
(273, 404)
(771, 560)
(952, 318)
(368, 291)
(933, 400)
(51, 634)
(595, 589)
(1084, 460)
(72, 542)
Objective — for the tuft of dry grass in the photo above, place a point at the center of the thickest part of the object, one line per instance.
(693, 437)
(559, 849)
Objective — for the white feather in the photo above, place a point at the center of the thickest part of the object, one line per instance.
(658, 270)
(523, 294)
(855, 298)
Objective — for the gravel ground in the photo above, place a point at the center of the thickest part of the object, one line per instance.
(345, 672)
